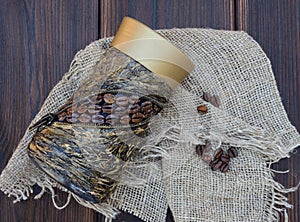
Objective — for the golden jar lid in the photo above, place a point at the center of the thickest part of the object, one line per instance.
(152, 50)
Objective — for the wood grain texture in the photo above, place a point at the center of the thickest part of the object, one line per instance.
(160, 14)
(275, 26)
(38, 40)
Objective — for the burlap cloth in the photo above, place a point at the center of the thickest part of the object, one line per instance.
(251, 116)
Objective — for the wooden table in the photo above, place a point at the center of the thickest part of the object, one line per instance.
(38, 40)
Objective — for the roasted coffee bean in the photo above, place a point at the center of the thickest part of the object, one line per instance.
(84, 118)
(125, 119)
(107, 108)
(218, 153)
(215, 100)
(99, 119)
(93, 109)
(71, 120)
(74, 115)
(121, 100)
(206, 97)
(202, 109)
(208, 145)
(200, 149)
(137, 118)
(96, 99)
(216, 165)
(62, 116)
(111, 119)
(206, 159)
(82, 109)
(224, 168)
(225, 158)
(147, 107)
(134, 109)
(120, 111)
(156, 109)
(71, 110)
(109, 98)
(232, 152)
(147, 115)
(134, 99)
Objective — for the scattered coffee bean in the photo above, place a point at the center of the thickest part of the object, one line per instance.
(232, 152)
(218, 153)
(74, 115)
(200, 149)
(99, 119)
(225, 158)
(84, 118)
(208, 145)
(125, 119)
(216, 165)
(202, 109)
(82, 109)
(215, 100)
(109, 98)
(120, 111)
(206, 159)
(206, 97)
(137, 117)
(224, 168)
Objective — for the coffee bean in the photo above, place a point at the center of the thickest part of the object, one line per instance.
(125, 119)
(216, 165)
(96, 99)
(156, 109)
(99, 119)
(134, 99)
(62, 116)
(134, 109)
(225, 158)
(71, 110)
(120, 111)
(74, 115)
(111, 119)
(215, 100)
(208, 145)
(71, 120)
(206, 97)
(84, 118)
(206, 159)
(107, 108)
(224, 168)
(82, 109)
(94, 109)
(137, 117)
(200, 149)
(121, 100)
(218, 153)
(202, 109)
(147, 107)
(109, 98)
(232, 152)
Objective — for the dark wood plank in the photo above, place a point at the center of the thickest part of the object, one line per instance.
(159, 14)
(275, 26)
(38, 40)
